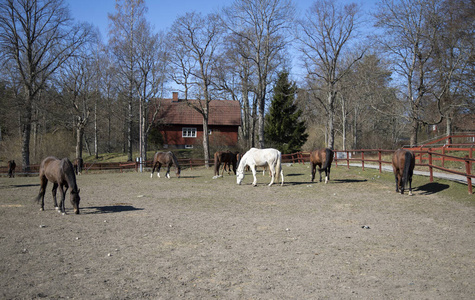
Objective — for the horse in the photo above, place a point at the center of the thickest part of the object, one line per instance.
(11, 168)
(60, 173)
(228, 159)
(78, 164)
(321, 157)
(403, 167)
(259, 158)
(165, 158)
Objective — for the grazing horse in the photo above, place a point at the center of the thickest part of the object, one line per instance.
(403, 168)
(11, 168)
(165, 158)
(259, 158)
(78, 164)
(321, 157)
(60, 173)
(227, 159)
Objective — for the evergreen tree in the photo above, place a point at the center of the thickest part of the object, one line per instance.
(283, 128)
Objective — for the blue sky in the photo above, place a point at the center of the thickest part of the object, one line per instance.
(162, 13)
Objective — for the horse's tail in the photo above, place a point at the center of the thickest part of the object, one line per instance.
(328, 158)
(407, 168)
(278, 168)
(216, 163)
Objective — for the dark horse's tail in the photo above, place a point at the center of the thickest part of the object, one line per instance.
(407, 168)
(328, 158)
(216, 163)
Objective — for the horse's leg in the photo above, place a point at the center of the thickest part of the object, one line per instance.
(158, 169)
(42, 192)
(153, 170)
(253, 169)
(62, 206)
(272, 171)
(320, 172)
(313, 169)
(55, 188)
(168, 171)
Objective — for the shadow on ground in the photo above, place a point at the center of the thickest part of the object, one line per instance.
(431, 188)
(108, 209)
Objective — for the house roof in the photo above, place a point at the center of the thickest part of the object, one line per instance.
(221, 112)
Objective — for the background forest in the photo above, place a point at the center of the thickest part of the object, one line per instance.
(65, 91)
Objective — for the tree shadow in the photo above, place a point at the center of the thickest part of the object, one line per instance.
(431, 188)
(108, 209)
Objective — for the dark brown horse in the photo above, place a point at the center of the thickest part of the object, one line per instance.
(165, 158)
(78, 164)
(227, 158)
(11, 168)
(403, 168)
(60, 173)
(322, 158)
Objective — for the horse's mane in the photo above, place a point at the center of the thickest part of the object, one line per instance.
(68, 171)
(175, 160)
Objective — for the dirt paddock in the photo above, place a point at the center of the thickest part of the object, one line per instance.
(199, 238)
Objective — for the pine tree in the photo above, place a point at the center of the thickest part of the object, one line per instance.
(283, 128)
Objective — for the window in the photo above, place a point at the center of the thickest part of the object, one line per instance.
(188, 132)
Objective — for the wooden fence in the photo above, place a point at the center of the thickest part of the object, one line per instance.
(427, 157)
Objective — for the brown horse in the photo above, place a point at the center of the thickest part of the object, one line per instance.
(60, 173)
(78, 164)
(165, 158)
(11, 168)
(321, 157)
(403, 168)
(227, 158)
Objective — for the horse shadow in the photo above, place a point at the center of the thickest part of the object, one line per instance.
(109, 209)
(349, 180)
(25, 185)
(431, 188)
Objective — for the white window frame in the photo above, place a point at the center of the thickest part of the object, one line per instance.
(188, 132)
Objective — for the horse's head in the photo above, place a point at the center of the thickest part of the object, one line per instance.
(239, 176)
(75, 200)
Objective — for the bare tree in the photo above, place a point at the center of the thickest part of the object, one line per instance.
(151, 62)
(39, 36)
(194, 43)
(123, 40)
(261, 25)
(411, 31)
(325, 34)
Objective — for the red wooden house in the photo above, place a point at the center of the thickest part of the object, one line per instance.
(182, 126)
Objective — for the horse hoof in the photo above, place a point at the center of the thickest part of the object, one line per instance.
(42, 209)
(410, 193)
(57, 208)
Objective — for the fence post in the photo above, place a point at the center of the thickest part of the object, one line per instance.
(379, 160)
(431, 177)
(362, 159)
(348, 159)
(443, 157)
(467, 170)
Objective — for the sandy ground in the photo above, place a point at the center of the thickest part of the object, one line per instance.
(195, 237)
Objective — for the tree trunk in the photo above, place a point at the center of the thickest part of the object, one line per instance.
(79, 139)
(414, 132)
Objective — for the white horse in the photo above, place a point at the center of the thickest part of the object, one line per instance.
(261, 158)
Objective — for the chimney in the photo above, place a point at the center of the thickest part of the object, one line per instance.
(175, 97)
